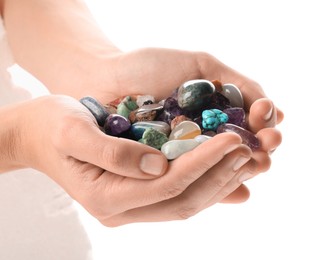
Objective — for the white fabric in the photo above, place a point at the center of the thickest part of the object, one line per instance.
(38, 220)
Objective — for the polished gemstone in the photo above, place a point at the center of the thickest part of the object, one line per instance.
(116, 124)
(126, 106)
(236, 116)
(171, 109)
(97, 109)
(202, 138)
(194, 94)
(234, 95)
(248, 137)
(153, 138)
(185, 130)
(138, 128)
(174, 148)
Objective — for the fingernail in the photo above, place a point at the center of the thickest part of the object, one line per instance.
(245, 176)
(240, 162)
(152, 164)
(268, 115)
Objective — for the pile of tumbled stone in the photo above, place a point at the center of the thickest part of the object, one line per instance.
(196, 111)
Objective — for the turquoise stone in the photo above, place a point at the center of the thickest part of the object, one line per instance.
(212, 118)
(126, 106)
(138, 128)
(154, 138)
(194, 94)
(174, 148)
(233, 94)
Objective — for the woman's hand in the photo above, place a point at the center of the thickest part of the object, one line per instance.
(159, 71)
(59, 136)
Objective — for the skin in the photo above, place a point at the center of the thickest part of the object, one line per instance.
(108, 175)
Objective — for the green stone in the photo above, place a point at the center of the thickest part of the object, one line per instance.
(154, 138)
(126, 106)
(194, 94)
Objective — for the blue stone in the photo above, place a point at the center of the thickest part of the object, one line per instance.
(96, 108)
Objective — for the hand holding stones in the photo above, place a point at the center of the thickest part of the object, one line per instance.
(199, 101)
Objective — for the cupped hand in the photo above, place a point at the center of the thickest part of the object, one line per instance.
(60, 137)
(158, 72)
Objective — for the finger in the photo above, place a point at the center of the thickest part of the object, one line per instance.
(193, 199)
(262, 114)
(85, 142)
(117, 194)
(241, 194)
(261, 162)
(269, 138)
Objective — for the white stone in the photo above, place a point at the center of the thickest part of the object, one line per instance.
(202, 138)
(174, 148)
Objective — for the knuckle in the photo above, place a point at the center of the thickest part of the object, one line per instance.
(65, 130)
(172, 191)
(114, 156)
(186, 212)
(219, 183)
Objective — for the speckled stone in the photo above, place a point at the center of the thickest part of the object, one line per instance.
(145, 113)
(145, 100)
(153, 138)
(116, 124)
(234, 95)
(185, 130)
(193, 94)
(97, 109)
(248, 137)
(174, 148)
(138, 128)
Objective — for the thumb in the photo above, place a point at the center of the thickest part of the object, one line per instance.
(118, 155)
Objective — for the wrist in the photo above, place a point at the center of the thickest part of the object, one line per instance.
(11, 139)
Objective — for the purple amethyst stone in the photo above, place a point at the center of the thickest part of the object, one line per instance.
(116, 124)
(171, 109)
(248, 137)
(236, 116)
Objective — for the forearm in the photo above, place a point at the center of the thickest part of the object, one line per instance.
(55, 41)
(10, 138)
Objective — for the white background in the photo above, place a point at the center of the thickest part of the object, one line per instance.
(273, 43)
